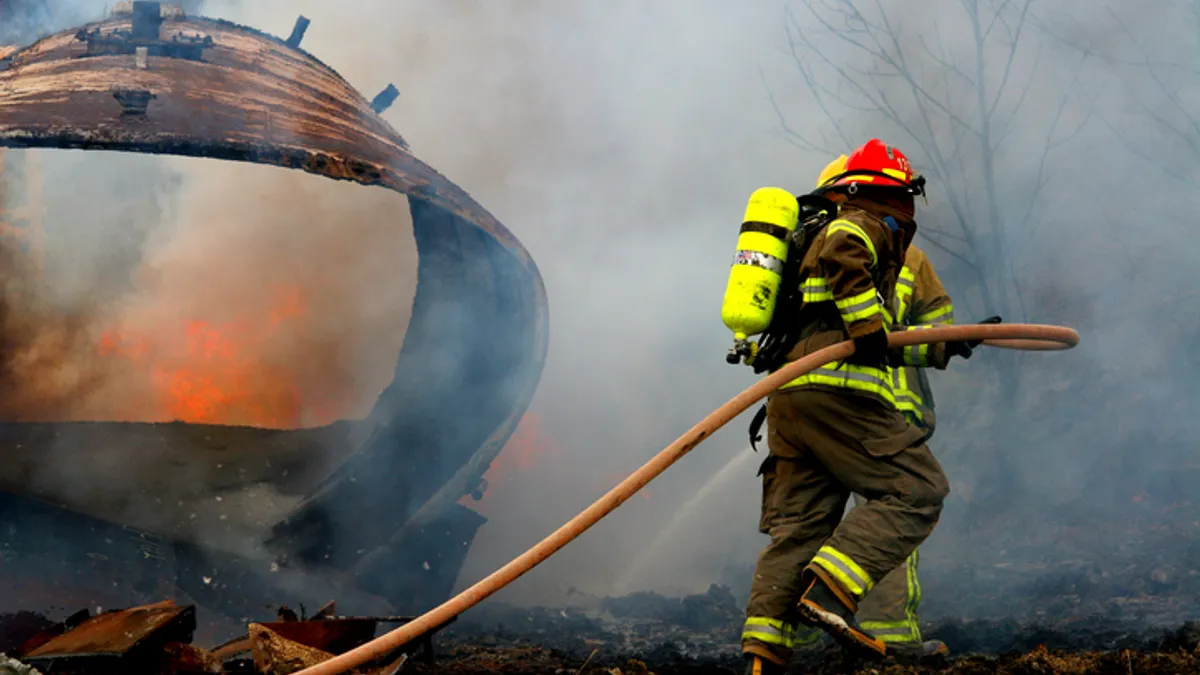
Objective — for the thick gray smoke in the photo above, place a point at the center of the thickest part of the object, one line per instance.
(619, 140)
(156, 289)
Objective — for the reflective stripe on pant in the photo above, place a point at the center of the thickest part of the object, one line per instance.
(778, 637)
(890, 610)
(772, 632)
(852, 577)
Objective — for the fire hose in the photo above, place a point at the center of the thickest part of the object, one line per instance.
(1031, 337)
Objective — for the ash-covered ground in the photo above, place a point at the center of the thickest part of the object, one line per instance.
(1014, 591)
(648, 632)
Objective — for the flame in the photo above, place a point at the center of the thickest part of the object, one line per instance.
(209, 372)
(528, 445)
(253, 295)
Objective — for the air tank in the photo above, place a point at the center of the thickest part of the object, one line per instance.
(762, 248)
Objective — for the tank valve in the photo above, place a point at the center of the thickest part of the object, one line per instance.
(741, 349)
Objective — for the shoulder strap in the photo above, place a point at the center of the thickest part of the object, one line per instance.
(756, 425)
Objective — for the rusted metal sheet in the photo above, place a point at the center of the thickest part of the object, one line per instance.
(478, 335)
(117, 640)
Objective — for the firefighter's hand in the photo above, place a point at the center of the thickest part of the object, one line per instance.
(870, 349)
(962, 350)
(966, 348)
(991, 319)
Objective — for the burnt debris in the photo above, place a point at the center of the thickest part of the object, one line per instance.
(115, 642)
(157, 640)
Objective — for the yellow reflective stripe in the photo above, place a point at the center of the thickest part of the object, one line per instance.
(892, 633)
(903, 296)
(905, 285)
(889, 322)
(853, 229)
(852, 577)
(900, 389)
(939, 316)
(916, 355)
(861, 306)
(768, 638)
(908, 629)
(816, 289)
(807, 635)
(914, 595)
(769, 631)
(879, 627)
(847, 376)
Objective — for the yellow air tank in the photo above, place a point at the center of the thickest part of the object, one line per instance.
(762, 248)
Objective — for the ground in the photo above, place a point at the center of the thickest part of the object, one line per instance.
(649, 633)
(469, 660)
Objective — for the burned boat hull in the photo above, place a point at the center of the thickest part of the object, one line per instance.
(478, 333)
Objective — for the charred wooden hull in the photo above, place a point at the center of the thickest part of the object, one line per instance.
(473, 352)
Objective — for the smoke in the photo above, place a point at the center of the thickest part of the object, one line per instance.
(619, 140)
(165, 288)
(155, 289)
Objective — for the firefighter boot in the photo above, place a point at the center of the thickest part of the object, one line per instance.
(757, 665)
(916, 652)
(827, 606)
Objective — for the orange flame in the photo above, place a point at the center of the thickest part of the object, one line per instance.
(206, 372)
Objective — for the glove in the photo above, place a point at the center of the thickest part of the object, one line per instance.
(966, 348)
(870, 349)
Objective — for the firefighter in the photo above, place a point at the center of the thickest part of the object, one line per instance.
(890, 611)
(837, 430)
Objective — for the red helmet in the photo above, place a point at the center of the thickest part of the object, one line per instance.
(877, 163)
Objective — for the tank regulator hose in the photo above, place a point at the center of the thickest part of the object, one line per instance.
(1032, 337)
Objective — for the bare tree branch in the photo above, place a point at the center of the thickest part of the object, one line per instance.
(995, 17)
(953, 254)
(857, 65)
(1012, 55)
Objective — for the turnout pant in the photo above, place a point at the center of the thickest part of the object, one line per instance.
(889, 611)
(824, 445)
